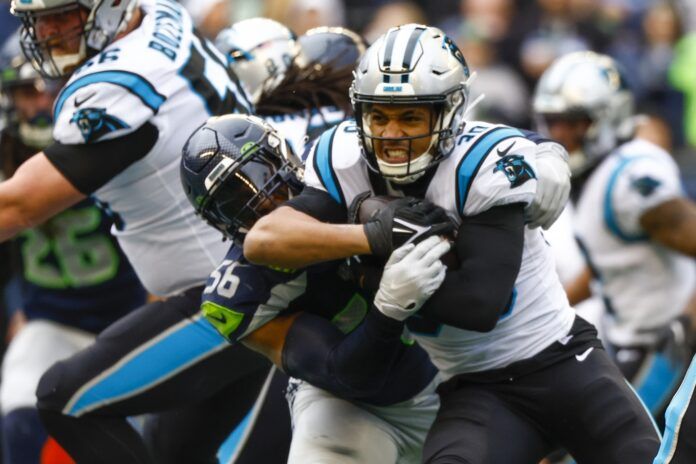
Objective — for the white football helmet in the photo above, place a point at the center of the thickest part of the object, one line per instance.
(259, 51)
(105, 19)
(412, 65)
(587, 84)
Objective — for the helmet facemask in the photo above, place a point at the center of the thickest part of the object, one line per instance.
(247, 190)
(98, 24)
(445, 121)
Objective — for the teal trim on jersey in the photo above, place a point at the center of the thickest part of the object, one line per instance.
(674, 415)
(149, 365)
(472, 161)
(322, 165)
(510, 306)
(135, 84)
(609, 214)
(660, 380)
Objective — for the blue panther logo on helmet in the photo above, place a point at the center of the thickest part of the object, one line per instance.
(516, 169)
(94, 123)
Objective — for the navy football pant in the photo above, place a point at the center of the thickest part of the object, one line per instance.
(160, 357)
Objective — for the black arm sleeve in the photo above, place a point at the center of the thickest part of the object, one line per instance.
(319, 205)
(350, 365)
(489, 247)
(89, 166)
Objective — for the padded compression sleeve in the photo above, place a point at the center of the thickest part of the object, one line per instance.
(489, 247)
(89, 166)
(350, 365)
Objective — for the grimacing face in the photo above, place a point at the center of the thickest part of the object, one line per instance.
(398, 121)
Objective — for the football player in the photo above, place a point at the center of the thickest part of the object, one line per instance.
(312, 323)
(524, 374)
(140, 81)
(632, 221)
(300, 84)
(74, 278)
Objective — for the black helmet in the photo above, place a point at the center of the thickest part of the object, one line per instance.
(329, 47)
(235, 169)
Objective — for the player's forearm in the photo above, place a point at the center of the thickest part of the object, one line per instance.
(288, 238)
(36, 192)
(489, 247)
(354, 365)
(673, 224)
(14, 214)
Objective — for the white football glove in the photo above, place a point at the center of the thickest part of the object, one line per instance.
(553, 185)
(410, 277)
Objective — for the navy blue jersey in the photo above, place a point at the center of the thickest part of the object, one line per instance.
(240, 297)
(74, 272)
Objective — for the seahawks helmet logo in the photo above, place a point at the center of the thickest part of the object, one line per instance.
(516, 169)
(94, 123)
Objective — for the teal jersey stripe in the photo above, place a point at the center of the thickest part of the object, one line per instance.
(323, 167)
(609, 214)
(135, 84)
(472, 161)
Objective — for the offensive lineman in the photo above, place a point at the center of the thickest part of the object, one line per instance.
(73, 277)
(500, 327)
(140, 81)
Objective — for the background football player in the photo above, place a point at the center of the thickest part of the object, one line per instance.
(632, 221)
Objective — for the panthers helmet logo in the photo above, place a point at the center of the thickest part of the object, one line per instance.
(645, 185)
(94, 123)
(516, 169)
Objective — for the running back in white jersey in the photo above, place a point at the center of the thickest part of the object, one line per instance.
(491, 165)
(644, 284)
(161, 73)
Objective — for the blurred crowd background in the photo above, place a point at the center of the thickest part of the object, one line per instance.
(509, 43)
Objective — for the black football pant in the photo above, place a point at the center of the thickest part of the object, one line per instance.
(579, 401)
(163, 356)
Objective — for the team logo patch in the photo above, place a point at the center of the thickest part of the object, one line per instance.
(94, 123)
(645, 185)
(515, 168)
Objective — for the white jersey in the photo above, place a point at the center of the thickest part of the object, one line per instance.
(301, 127)
(491, 165)
(644, 284)
(163, 74)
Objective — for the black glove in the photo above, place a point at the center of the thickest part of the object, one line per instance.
(674, 340)
(392, 222)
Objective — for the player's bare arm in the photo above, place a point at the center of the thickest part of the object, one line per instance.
(36, 192)
(579, 289)
(269, 339)
(673, 224)
(290, 238)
